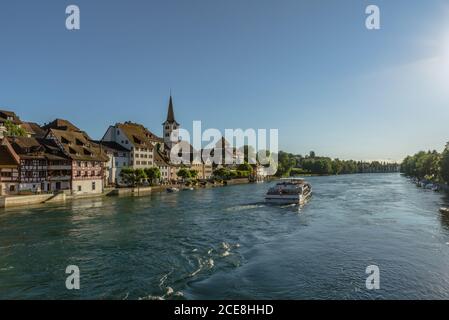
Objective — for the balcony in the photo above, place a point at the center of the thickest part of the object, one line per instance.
(59, 167)
(60, 178)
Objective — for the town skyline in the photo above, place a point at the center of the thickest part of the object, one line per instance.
(160, 134)
(342, 91)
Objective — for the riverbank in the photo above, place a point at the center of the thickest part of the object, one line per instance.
(428, 184)
(36, 199)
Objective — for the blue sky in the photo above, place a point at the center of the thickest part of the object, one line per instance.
(309, 68)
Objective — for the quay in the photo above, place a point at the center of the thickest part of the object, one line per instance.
(62, 196)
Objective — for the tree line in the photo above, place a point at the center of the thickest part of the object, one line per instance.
(290, 165)
(430, 165)
(136, 177)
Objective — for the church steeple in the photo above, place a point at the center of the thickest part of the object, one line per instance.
(170, 113)
(170, 126)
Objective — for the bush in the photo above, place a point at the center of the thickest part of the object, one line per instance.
(298, 171)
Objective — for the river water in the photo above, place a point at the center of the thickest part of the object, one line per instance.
(225, 243)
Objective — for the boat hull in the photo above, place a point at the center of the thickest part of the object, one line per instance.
(288, 199)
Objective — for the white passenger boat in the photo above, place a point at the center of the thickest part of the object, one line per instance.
(290, 191)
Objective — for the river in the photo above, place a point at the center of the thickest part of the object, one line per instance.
(226, 243)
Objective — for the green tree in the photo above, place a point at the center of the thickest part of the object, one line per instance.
(337, 166)
(286, 161)
(13, 130)
(444, 165)
(233, 174)
(222, 173)
(245, 167)
(193, 174)
(184, 173)
(141, 177)
(424, 165)
(153, 174)
(133, 177)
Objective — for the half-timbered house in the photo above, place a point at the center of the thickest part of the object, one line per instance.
(87, 160)
(9, 169)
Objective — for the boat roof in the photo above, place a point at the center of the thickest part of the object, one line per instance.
(293, 179)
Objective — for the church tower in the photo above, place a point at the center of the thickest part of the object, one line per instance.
(170, 125)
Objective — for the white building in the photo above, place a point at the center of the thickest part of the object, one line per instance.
(134, 137)
(119, 158)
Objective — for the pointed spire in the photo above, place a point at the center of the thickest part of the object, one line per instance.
(170, 114)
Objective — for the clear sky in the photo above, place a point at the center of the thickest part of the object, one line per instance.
(309, 68)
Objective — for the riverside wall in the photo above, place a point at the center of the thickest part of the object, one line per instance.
(18, 201)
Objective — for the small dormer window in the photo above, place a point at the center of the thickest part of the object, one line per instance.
(137, 140)
(64, 140)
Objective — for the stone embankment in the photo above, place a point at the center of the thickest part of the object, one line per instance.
(25, 200)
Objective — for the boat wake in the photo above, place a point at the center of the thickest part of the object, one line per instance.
(170, 293)
(202, 263)
(246, 207)
(207, 262)
(292, 205)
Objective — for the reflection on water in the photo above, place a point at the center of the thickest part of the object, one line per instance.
(226, 243)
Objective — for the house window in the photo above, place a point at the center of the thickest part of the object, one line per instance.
(12, 188)
(93, 185)
(118, 132)
(79, 188)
